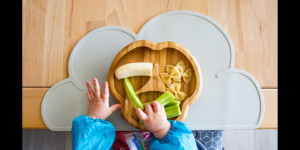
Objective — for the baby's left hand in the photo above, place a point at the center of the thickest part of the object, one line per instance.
(98, 102)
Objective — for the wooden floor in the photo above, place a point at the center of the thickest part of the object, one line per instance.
(261, 139)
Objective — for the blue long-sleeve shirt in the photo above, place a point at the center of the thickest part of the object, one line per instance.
(93, 134)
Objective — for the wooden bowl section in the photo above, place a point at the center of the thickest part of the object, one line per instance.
(149, 88)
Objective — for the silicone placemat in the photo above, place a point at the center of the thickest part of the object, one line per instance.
(230, 98)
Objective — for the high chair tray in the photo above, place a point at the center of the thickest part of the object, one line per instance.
(229, 99)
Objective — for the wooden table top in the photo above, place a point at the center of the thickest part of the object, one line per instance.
(51, 28)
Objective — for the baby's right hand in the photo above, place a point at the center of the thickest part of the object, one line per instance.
(155, 119)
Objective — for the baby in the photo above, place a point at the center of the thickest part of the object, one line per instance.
(91, 131)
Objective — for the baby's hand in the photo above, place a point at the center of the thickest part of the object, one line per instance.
(155, 119)
(98, 102)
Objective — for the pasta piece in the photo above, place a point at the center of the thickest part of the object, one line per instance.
(166, 78)
(169, 68)
(180, 70)
(175, 74)
(172, 89)
(175, 88)
(181, 64)
(187, 76)
(181, 95)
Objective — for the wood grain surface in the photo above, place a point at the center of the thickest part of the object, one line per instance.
(51, 28)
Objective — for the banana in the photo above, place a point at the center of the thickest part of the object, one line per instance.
(134, 69)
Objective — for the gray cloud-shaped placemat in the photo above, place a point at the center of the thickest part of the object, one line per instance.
(230, 98)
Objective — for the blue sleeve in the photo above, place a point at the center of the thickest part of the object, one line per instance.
(178, 138)
(90, 134)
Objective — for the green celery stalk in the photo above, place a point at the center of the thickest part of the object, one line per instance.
(141, 122)
(132, 95)
(173, 102)
(172, 110)
(164, 99)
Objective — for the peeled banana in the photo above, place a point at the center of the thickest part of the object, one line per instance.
(134, 69)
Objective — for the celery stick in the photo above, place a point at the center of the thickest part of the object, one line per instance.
(172, 110)
(173, 102)
(171, 107)
(164, 99)
(141, 122)
(132, 95)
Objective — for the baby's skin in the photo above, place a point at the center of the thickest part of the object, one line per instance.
(155, 119)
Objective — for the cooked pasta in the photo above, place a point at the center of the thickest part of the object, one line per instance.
(166, 78)
(187, 76)
(174, 74)
(175, 89)
(169, 68)
(181, 64)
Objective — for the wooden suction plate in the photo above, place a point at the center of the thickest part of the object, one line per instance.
(149, 88)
